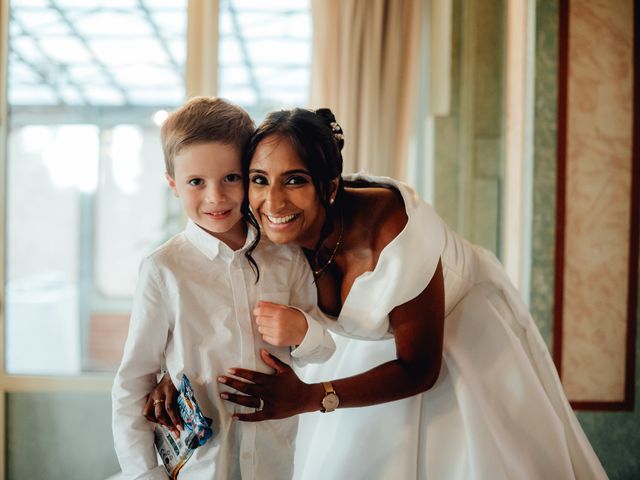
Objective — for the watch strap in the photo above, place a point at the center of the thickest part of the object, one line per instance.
(328, 388)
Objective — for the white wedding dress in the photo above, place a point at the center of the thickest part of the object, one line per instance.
(497, 410)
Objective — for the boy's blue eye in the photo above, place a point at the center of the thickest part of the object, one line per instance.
(195, 182)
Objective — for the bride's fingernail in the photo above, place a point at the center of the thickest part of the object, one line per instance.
(222, 380)
(224, 396)
(232, 371)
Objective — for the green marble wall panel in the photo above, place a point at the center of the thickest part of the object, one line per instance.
(544, 167)
(486, 129)
(468, 141)
(448, 142)
(59, 436)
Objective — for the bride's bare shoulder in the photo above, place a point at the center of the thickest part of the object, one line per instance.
(381, 213)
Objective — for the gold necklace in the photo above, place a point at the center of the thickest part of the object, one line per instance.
(333, 253)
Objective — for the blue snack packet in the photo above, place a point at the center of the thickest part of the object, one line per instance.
(194, 421)
(175, 452)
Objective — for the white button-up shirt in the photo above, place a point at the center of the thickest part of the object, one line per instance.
(192, 313)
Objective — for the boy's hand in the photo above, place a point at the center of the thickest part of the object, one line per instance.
(279, 325)
(162, 406)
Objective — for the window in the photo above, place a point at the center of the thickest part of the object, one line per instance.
(264, 54)
(89, 83)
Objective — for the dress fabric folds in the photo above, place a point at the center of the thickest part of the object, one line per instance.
(497, 410)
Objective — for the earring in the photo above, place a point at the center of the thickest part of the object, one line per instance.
(331, 200)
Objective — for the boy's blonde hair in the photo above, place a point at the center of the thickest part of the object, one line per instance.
(204, 119)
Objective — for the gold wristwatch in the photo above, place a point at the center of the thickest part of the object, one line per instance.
(330, 401)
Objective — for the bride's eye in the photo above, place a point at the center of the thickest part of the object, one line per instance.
(259, 180)
(297, 180)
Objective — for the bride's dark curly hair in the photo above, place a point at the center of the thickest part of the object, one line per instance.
(317, 140)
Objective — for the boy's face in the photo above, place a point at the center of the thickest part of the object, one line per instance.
(208, 180)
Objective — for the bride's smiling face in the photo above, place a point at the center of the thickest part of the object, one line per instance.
(282, 195)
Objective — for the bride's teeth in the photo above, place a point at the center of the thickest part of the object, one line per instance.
(278, 220)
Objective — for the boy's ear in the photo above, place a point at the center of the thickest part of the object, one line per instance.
(172, 184)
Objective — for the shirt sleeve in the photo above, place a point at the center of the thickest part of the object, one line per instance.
(318, 344)
(143, 358)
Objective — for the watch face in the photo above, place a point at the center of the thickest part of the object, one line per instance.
(330, 402)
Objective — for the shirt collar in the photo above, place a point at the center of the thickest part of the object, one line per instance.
(209, 245)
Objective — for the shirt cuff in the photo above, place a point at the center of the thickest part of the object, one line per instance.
(312, 341)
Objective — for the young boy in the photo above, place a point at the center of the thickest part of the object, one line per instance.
(192, 309)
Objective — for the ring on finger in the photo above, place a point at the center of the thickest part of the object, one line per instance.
(261, 406)
(157, 402)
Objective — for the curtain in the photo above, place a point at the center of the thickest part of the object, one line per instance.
(366, 57)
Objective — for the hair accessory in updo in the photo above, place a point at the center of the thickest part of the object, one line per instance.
(330, 120)
(337, 131)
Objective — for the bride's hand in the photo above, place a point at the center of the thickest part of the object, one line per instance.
(280, 395)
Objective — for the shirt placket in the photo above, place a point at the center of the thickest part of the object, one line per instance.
(247, 358)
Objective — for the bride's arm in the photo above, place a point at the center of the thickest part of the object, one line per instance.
(418, 327)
